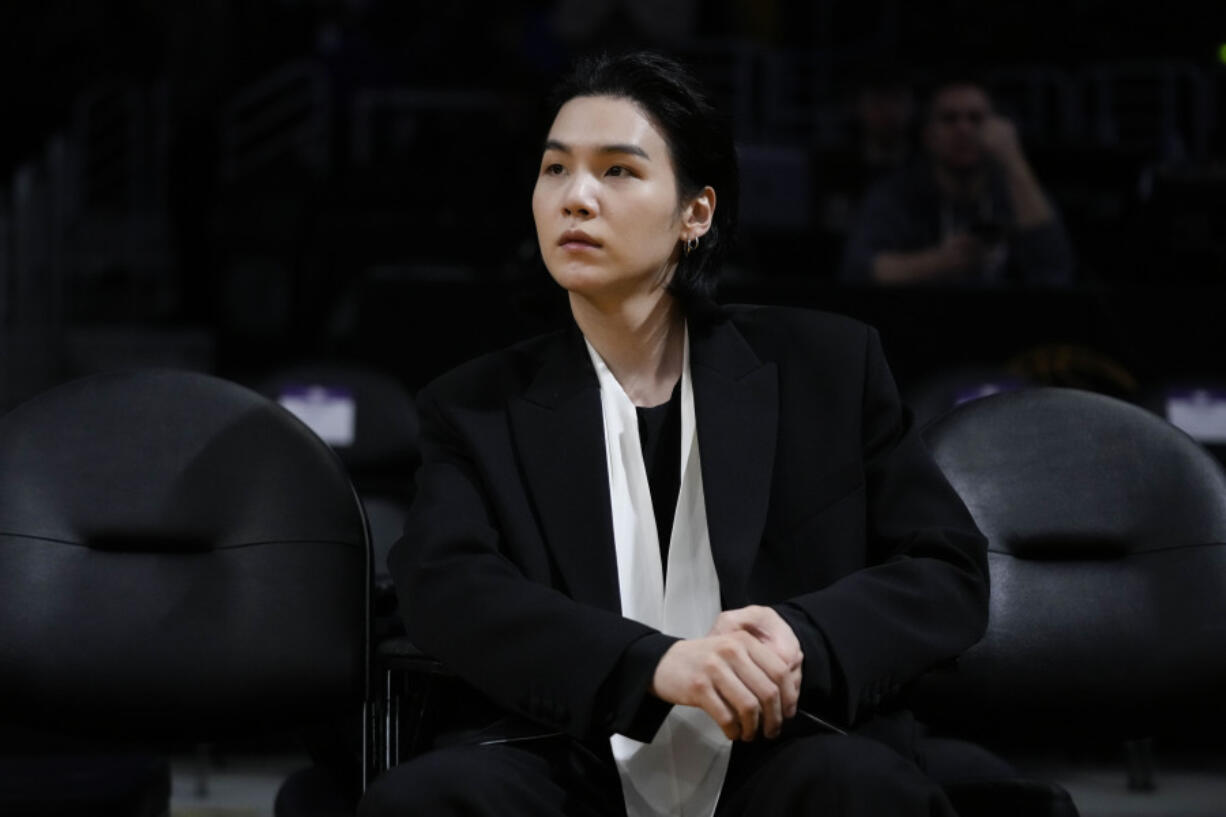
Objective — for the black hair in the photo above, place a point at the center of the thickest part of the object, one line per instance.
(952, 76)
(699, 141)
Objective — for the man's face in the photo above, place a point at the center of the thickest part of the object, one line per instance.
(884, 113)
(605, 203)
(954, 133)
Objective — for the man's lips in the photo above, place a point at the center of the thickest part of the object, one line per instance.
(577, 240)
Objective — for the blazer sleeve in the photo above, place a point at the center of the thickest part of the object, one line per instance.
(923, 598)
(524, 644)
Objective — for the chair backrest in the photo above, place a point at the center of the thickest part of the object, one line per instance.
(178, 555)
(379, 437)
(1105, 527)
(369, 419)
(941, 391)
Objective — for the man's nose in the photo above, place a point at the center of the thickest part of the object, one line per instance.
(580, 198)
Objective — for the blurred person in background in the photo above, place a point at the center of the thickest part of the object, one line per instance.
(968, 211)
(881, 115)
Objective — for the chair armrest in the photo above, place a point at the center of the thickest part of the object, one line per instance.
(399, 654)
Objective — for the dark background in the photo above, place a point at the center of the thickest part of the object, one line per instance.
(236, 185)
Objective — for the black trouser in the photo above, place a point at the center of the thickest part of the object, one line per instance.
(825, 775)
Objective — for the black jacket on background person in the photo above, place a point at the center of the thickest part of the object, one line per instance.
(906, 211)
(821, 501)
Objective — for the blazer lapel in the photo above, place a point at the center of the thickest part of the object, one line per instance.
(560, 440)
(736, 407)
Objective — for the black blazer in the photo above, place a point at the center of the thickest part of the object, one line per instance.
(821, 500)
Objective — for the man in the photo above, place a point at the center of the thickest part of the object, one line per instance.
(970, 211)
(671, 529)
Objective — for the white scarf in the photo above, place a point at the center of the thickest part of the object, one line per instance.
(680, 773)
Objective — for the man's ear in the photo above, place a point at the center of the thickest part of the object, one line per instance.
(698, 214)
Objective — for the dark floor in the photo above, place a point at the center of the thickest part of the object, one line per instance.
(1101, 791)
(244, 786)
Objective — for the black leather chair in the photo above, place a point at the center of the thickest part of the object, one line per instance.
(180, 560)
(1107, 549)
(936, 394)
(378, 448)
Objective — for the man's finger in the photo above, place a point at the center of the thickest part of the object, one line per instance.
(719, 711)
(767, 677)
(741, 700)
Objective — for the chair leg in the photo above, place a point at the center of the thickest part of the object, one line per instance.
(390, 727)
(386, 724)
(369, 752)
(1140, 755)
(203, 762)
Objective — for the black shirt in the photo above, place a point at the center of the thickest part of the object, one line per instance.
(660, 436)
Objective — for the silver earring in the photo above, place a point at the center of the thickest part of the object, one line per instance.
(691, 245)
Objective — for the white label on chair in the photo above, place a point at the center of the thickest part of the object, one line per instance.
(329, 412)
(1199, 412)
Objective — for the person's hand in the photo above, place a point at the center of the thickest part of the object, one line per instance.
(960, 253)
(735, 677)
(766, 625)
(1000, 140)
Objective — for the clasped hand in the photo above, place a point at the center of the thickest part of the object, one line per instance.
(745, 673)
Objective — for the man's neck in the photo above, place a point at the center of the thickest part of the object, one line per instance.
(641, 339)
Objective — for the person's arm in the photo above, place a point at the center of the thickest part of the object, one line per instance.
(525, 645)
(953, 258)
(530, 648)
(1042, 248)
(881, 248)
(1031, 208)
(923, 597)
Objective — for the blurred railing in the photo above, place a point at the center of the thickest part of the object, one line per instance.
(92, 209)
(1158, 108)
(388, 117)
(84, 222)
(285, 115)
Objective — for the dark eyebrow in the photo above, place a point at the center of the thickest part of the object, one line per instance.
(634, 150)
